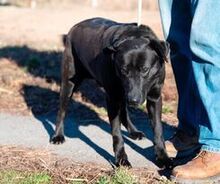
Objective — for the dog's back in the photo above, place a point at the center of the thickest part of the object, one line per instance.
(93, 35)
(89, 38)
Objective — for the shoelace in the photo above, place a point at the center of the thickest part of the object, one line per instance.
(201, 155)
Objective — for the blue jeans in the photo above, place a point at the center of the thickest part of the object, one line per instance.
(192, 27)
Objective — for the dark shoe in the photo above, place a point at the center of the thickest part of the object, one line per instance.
(203, 169)
(181, 145)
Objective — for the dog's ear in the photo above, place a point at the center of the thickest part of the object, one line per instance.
(109, 49)
(113, 46)
(161, 47)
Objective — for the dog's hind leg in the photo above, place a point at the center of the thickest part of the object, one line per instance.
(134, 133)
(66, 90)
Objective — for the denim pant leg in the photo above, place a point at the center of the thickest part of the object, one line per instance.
(176, 19)
(205, 46)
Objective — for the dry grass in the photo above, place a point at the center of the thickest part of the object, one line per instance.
(106, 4)
(29, 80)
(63, 170)
(30, 59)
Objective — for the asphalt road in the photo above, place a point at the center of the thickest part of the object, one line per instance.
(87, 141)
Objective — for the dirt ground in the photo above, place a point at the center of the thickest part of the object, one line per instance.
(64, 170)
(30, 55)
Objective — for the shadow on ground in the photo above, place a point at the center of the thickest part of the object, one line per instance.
(47, 65)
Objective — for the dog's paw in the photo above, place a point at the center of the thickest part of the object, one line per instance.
(59, 139)
(124, 163)
(164, 162)
(138, 135)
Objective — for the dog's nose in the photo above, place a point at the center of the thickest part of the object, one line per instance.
(133, 101)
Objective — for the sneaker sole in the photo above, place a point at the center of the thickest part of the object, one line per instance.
(209, 180)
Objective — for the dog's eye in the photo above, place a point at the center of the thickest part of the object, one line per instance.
(124, 71)
(144, 69)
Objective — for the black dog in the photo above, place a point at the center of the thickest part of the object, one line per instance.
(128, 61)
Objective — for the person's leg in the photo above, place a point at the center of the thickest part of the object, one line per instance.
(176, 19)
(205, 47)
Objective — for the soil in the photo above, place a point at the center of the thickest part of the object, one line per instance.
(31, 51)
(30, 55)
(63, 170)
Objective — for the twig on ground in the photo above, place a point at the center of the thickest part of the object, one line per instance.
(5, 91)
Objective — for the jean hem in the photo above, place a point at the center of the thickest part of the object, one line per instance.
(210, 149)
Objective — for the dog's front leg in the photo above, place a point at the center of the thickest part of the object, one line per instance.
(121, 158)
(126, 121)
(154, 108)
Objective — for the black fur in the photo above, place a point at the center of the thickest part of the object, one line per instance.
(128, 61)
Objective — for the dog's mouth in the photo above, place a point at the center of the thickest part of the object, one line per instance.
(133, 104)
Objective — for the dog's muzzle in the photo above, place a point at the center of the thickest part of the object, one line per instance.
(133, 102)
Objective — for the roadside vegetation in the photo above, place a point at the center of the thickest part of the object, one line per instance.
(29, 85)
(20, 165)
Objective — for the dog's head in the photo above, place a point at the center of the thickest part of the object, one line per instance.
(138, 61)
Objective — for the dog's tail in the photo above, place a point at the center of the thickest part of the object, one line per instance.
(68, 59)
(64, 38)
(67, 67)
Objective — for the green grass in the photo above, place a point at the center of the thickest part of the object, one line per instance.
(102, 111)
(121, 176)
(15, 177)
(142, 106)
(78, 182)
(166, 109)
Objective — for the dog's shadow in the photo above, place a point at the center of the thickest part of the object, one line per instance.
(81, 115)
(45, 64)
